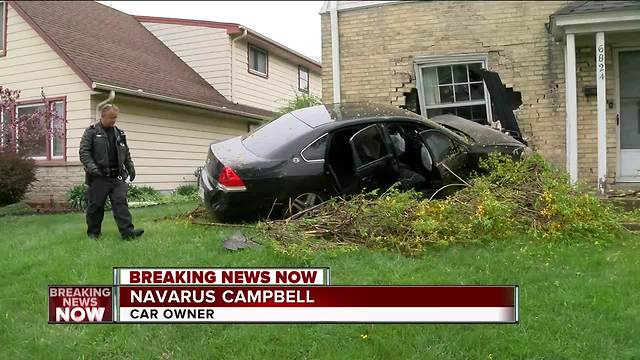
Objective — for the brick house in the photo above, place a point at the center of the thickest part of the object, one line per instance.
(546, 52)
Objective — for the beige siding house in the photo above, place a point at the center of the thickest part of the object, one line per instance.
(222, 54)
(575, 65)
(81, 54)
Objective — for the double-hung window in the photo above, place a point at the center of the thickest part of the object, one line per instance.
(303, 79)
(453, 85)
(258, 61)
(45, 143)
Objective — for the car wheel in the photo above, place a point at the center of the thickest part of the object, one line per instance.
(301, 202)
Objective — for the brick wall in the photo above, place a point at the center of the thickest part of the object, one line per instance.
(378, 45)
(54, 182)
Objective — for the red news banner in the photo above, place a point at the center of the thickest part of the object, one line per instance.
(274, 296)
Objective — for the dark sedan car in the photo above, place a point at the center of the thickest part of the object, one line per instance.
(306, 156)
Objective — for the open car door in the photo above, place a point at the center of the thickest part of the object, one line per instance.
(448, 158)
(375, 164)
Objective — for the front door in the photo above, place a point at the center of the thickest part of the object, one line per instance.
(629, 65)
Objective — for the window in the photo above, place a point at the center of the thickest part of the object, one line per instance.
(303, 79)
(455, 88)
(273, 139)
(368, 145)
(46, 144)
(316, 150)
(3, 27)
(439, 144)
(258, 61)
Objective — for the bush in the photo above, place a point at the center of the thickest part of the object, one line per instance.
(19, 208)
(16, 175)
(143, 193)
(77, 197)
(510, 200)
(300, 101)
(187, 190)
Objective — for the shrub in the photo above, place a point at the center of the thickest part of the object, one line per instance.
(143, 193)
(300, 101)
(16, 175)
(77, 197)
(511, 199)
(187, 190)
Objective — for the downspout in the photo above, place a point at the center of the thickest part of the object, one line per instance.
(233, 48)
(112, 95)
(335, 51)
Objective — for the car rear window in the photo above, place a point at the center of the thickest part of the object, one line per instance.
(270, 139)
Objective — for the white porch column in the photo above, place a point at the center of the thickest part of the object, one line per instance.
(571, 107)
(602, 113)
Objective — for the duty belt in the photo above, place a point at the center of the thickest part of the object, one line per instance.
(114, 173)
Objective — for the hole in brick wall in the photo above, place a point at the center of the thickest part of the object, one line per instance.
(411, 101)
(515, 98)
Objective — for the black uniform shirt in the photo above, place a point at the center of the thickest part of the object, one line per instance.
(113, 147)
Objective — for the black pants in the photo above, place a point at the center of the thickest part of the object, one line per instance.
(97, 193)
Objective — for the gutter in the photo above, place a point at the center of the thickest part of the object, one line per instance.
(141, 93)
(335, 51)
(233, 51)
(112, 95)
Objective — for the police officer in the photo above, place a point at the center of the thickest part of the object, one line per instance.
(107, 163)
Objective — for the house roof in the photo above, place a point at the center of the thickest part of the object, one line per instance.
(584, 7)
(111, 48)
(234, 29)
(588, 17)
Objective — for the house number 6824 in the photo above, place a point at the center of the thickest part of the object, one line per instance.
(601, 70)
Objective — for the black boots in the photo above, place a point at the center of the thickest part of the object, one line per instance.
(133, 234)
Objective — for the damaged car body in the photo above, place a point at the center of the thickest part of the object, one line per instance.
(307, 156)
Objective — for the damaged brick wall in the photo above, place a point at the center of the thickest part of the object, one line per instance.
(378, 45)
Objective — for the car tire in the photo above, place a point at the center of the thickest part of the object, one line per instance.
(301, 203)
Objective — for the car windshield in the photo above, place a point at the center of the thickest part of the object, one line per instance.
(269, 139)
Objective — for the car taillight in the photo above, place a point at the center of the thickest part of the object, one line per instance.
(229, 178)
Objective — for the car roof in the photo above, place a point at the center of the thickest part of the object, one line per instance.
(299, 127)
(320, 115)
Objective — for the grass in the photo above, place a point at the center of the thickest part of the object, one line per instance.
(577, 301)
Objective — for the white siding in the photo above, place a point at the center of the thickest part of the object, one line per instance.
(206, 50)
(268, 93)
(168, 142)
(30, 66)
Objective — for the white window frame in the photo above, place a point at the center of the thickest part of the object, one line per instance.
(266, 61)
(2, 134)
(49, 139)
(421, 62)
(303, 69)
(3, 28)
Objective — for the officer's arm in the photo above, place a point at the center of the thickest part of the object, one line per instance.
(86, 144)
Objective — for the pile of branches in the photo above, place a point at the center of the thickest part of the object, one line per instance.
(506, 199)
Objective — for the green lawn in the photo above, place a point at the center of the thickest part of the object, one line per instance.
(576, 301)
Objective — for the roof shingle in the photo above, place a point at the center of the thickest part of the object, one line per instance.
(113, 48)
(582, 7)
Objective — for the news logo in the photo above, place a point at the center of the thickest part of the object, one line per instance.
(80, 304)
